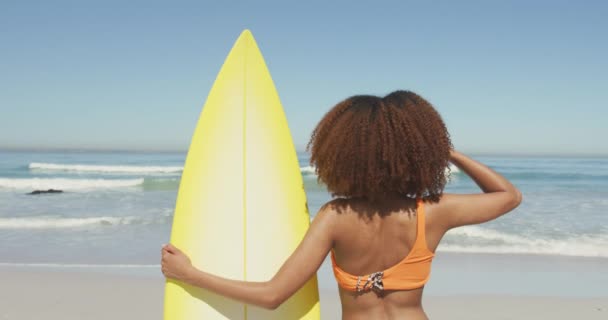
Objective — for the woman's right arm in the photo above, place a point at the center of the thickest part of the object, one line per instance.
(499, 197)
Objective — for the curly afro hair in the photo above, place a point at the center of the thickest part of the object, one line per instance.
(371, 147)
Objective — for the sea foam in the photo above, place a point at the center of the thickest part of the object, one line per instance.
(58, 222)
(67, 184)
(492, 241)
(307, 170)
(311, 170)
(125, 169)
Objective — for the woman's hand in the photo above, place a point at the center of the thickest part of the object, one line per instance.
(453, 153)
(499, 195)
(175, 264)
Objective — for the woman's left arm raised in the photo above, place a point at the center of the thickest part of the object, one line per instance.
(295, 272)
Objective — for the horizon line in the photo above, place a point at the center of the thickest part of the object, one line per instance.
(298, 150)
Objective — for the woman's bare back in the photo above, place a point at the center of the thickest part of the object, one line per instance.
(369, 239)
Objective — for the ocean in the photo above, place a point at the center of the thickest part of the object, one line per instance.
(117, 207)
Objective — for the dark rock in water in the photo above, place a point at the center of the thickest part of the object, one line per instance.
(46, 191)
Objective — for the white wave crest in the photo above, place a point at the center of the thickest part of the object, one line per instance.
(579, 246)
(560, 248)
(453, 168)
(105, 168)
(57, 222)
(67, 184)
(487, 234)
(308, 170)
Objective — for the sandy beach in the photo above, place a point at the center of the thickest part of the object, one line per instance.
(51, 293)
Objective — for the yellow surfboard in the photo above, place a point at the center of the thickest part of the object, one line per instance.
(241, 208)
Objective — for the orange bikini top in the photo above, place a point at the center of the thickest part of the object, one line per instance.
(410, 273)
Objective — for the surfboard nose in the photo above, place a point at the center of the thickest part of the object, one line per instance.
(246, 33)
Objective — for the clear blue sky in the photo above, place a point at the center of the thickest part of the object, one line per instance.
(507, 76)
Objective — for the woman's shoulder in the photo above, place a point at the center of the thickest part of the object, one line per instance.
(338, 205)
(358, 208)
(330, 207)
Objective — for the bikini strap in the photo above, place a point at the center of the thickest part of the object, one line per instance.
(420, 222)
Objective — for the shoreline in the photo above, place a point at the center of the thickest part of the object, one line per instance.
(61, 294)
(452, 274)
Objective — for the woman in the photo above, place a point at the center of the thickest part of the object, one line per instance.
(385, 160)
